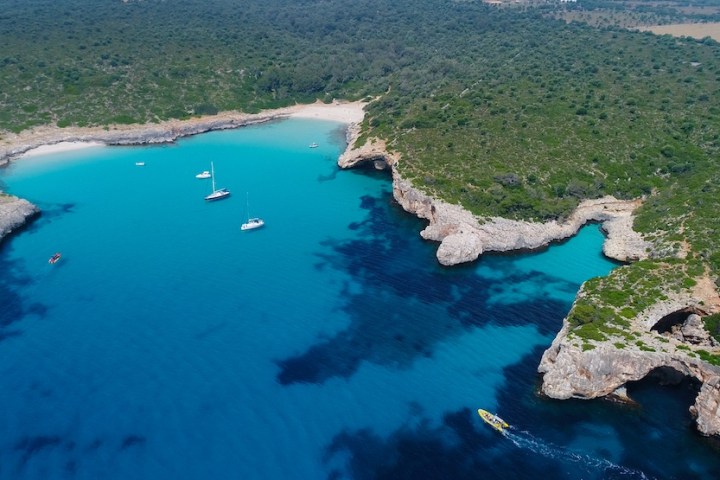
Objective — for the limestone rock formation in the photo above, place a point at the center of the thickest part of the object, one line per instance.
(571, 370)
(14, 213)
(463, 236)
(372, 152)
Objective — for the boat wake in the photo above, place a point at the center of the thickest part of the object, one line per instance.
(605, 468)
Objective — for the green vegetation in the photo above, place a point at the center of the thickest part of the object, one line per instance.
(709, 357)
(607, 303)
(712, 325)
(506, 111)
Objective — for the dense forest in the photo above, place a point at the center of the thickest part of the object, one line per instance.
(507, 111)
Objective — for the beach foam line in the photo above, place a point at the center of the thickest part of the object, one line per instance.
(60, 147)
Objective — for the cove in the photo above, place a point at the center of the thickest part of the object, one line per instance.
(167, 343)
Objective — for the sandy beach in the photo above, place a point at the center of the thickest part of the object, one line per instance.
(339, 112)
(50, 139)
(61, 147)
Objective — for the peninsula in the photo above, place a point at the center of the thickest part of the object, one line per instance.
(667, 338)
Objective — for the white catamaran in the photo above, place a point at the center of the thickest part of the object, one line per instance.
(216, 194)
(251, 222)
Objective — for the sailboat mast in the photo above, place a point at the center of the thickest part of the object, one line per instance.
(247, 202)
(212, 175)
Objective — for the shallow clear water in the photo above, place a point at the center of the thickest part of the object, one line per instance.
(166, 343)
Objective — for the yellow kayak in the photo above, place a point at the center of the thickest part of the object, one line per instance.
(493, 420)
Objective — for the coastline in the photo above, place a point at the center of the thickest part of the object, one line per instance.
(16, 212)
(50, 139)
(569, 369)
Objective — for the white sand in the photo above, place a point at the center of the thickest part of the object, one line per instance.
(51, 139)
(60, 147)
(350, 112)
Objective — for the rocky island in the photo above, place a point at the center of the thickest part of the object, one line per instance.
(667, 338)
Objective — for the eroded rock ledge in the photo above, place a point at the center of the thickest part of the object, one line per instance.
(570, 368)
(464, 237)
(14, 213)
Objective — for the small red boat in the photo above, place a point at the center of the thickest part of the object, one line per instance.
(54, 258)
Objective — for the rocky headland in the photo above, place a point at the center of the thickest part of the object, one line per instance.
(14, 213)
(464, 237)
(571, 367)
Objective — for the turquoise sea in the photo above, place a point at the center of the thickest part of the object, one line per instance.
(168, 344)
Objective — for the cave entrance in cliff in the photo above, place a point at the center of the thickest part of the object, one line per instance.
(666, 323)
(666, 392)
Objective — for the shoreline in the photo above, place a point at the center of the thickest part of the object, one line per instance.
(15, 212)
(51, 139)
(569, 369)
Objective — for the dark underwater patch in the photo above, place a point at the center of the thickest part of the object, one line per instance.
(31, 446)
(131, 441)
(642, 430)
(457, 449)
(403, 309)
(12, 306)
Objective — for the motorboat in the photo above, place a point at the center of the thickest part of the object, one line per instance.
(313, 145)
(204, 174)
(217, 193)
(139, 164)
(54, 258)
(493, 420)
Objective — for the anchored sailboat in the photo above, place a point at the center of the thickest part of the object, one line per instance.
(251, 223)
(216, 194)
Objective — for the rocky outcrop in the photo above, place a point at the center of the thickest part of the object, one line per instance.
(707, 407)
(373, 152)
(464, 237)
(573, 368)
(14, 213)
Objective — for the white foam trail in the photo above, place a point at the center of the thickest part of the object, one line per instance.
(526, 440)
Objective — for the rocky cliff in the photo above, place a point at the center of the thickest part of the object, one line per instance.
(572, 368)
(464, 237)
(14, 213)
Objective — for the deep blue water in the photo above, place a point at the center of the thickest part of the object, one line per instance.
(166, 343)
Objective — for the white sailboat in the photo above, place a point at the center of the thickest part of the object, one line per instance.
(216, 194)
(251, 223)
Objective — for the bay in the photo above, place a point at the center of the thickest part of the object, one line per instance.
(168, 343)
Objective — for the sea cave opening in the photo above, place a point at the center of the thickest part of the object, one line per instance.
(667, 389)
(674, 319)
